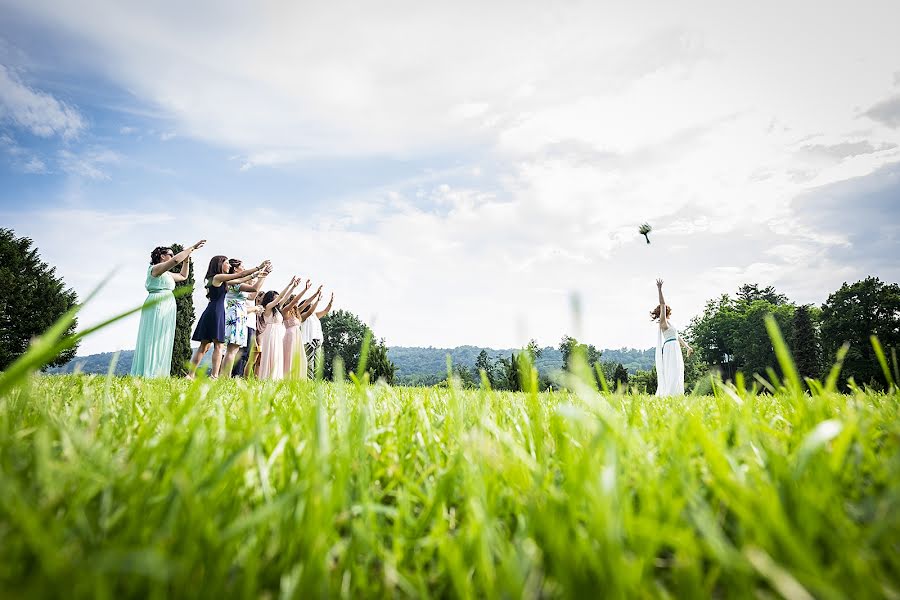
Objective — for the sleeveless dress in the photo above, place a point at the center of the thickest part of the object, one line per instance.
(271, 347)
(236, 316)
(294, 354)
(156, 333)
(669, 363)
(211, 325)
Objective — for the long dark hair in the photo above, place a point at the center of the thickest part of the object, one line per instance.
(268, 297)
(157, 253)
(235, 263)
(216, 263)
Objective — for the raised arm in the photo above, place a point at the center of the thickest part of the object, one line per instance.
(182, 256)
(284, 293)
(327, 309)
(297, 297)
(663, 322)
(254, 289)
(242, 281)
(183, 274)
(245, 275)
(685, 345)
(308, 306)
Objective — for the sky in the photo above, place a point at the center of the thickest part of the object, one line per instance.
(462, 172)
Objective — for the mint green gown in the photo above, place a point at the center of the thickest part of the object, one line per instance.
(156, 333)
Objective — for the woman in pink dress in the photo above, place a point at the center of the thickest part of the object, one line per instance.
(294, 312)
(271, 340)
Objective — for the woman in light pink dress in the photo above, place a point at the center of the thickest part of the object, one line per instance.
(271, 342)
(292, 344)
(294, 311)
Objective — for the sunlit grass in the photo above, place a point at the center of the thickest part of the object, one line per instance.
(117, 487)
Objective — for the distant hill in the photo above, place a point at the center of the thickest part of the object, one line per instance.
(414, 365)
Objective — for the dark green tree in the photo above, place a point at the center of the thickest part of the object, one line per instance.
(620, 375)
(731, 334)
(751, 292)
(378, 365)
(508, 376)
(184, 318)
(569, 345)
(534, 350)
(32, 298)
(484, 363)
(645, 381)
(695, 369)
(343, 334)
(852, 314)
(804, 343)
(467, 378)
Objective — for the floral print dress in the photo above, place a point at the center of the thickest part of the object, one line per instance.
(235, 316)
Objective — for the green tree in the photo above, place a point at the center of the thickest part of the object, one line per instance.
(731, 334)
(751, 292)
(569, 345)
(852, 314)
(378, 365)
(467, 378)
(804, 345)
(645, 381)
(184, 319)
(484, 363)
(32, 298)
(534, 350)
(343, 334)
(695, 369)
(620, 375)
(508, 373)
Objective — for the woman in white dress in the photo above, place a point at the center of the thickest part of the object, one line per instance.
(669, 360)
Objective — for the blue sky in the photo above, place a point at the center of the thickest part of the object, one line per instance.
(456, 173)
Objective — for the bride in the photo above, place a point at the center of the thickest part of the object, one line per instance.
(669, 360)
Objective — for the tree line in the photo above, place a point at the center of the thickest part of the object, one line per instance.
(730, 335)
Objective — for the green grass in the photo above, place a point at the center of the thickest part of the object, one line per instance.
(118, 487)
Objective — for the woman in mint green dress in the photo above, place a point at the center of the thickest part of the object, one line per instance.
(156, 333)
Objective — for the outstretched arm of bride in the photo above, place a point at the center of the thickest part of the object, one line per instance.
(685, 345)
(663, 322)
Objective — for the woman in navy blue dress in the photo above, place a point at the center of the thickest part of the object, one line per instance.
(211, 326)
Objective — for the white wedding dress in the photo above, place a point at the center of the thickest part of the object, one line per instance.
(669, 363)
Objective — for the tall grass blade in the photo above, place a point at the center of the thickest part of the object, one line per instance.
(882, 360)
(783, 354)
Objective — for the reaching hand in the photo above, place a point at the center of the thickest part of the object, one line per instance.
(659, 283)
(198, 245)
(308, 285)
(690, 351)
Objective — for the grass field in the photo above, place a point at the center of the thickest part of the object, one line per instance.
(117, 487)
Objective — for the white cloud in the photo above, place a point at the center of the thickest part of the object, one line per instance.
(34, 165)
(88, 163)
(38, 112)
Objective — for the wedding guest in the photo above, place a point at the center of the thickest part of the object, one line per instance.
(156, 332)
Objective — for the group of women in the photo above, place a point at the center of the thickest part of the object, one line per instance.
(278, 334)
(268, 334)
